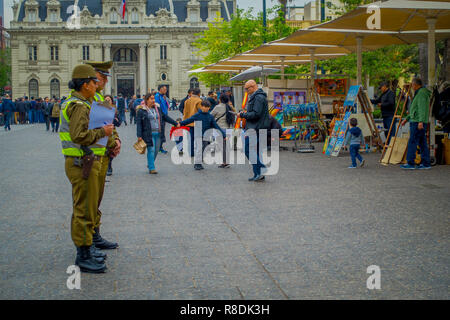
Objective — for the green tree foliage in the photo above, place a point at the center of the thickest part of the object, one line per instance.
(224, 39)
(5, 68)
(384, 64)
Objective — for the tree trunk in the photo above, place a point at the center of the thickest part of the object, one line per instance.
(284, 6)
(423, 62)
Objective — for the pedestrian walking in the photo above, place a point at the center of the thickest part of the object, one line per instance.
(257, 118)
(182, 102)
(208, 122)
(191, 107)
(418, 118)
(150, 118)
(212, 99)
(46, 108)
(54, 115)
(354, 139)
(82, 165)
(225, 115)
(7, 110)
(121, 108)
(162, 100)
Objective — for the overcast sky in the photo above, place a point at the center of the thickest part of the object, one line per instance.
(243, 4)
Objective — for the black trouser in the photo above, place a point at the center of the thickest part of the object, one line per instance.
(132, 116)
(47, 121)
(55, 124)
(22, 117)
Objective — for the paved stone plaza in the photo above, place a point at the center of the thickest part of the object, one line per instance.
(309, 232)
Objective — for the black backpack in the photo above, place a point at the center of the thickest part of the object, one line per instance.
(441, 105)
(230, 118)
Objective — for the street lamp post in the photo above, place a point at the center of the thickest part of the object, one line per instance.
(264, 21)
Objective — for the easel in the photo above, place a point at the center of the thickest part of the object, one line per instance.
(366, 108)
(405, 93)
(336, 139)
(315, 98)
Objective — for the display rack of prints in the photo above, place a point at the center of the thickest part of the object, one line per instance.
(334, 144)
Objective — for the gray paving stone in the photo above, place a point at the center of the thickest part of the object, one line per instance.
(309, 232)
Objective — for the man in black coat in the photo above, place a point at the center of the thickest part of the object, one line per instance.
(257, 116)
(22, 110)
(121, 108)
(387, 103)
(46, 109)
(181, 106)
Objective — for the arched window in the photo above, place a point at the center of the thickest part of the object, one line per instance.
(113, 16)
(194, 83)
(125, 55)
(54, 88)
(32, 16)
(33, 88)
(53, 15)
(134, 16)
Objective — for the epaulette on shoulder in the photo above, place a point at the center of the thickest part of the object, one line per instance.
(77, 103)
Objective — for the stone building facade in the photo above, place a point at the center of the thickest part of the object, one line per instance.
(152, 45)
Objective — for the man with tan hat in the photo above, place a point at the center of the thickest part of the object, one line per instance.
(112, 150)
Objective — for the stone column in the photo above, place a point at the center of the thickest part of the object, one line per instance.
(97, 54)
(107, 47)
(142, 69)
(176, 73)
(151, 61)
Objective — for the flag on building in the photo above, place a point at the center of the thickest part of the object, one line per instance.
(122, 9)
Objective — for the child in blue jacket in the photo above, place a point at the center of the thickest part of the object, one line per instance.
(208, 122)
(354, 138)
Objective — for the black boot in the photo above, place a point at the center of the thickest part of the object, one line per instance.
(87, 262)
(100, 259)
(97, 253)
(101, 243)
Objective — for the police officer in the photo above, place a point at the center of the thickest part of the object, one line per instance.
(75, 136)
(113, 149)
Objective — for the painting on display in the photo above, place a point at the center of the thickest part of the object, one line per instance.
(284, 98)
(331, 87)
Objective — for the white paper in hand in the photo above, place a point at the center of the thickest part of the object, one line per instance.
(101, 113)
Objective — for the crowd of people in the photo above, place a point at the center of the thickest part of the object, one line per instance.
(29, 111)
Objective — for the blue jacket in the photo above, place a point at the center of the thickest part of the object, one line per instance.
(207, 120)
(354, 136)
(161, 100)
(7, 106)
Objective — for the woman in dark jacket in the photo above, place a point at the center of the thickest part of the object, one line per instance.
(149, 123)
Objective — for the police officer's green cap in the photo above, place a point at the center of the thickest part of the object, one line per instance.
(84, 71)
(101, 67)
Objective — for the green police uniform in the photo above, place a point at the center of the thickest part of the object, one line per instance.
(74, 132)
(103, 68)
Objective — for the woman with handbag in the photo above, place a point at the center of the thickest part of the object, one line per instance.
(225, 115)
(149, 123)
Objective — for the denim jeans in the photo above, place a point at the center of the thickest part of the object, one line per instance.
(354, 154)
(7, 120)
(418, 138)
(152, 151)
(258, 165)
(122, 117)
(387, 124)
